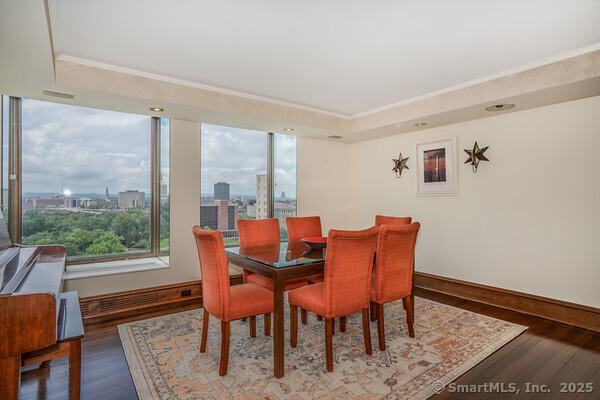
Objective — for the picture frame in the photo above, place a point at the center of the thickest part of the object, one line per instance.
(437, 171)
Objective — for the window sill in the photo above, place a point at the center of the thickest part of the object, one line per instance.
(81, 271)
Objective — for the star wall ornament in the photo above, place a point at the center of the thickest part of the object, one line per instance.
(399, 165)
(475, 156)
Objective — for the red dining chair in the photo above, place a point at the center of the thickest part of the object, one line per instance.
(301, 227)
(262, 233)
(225, 302)
(389, 220)
(393, 277)
(345, 288)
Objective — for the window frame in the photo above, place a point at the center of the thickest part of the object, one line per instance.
(15, 195)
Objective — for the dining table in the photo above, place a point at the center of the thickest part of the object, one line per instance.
(280, 262)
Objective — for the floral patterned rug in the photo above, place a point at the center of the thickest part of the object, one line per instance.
(165, 361)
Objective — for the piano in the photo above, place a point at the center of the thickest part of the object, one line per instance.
(38, 322)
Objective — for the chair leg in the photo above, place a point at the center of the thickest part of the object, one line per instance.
(253, 326)
(268, 324)
(412, 304)
(304, 315)
(319, 318)
(224, 363)
(380, 327)
(373, 309)
(293, 325)
(367, 331)
(343, 324)
(329, 343)
(409, 315)
(204, 331)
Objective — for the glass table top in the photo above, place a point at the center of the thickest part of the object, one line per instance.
(282, 255)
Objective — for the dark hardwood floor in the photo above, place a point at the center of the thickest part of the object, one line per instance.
(548, 353)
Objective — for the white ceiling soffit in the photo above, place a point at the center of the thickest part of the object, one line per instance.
(348, 59)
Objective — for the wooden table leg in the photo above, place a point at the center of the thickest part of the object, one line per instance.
(278, 321)
(10, 377)
(75, 369)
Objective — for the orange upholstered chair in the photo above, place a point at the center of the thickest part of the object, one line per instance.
(388, 220)
(301, 227)
(393, 277)
(345, 288)
(223, 301)
(262, 234)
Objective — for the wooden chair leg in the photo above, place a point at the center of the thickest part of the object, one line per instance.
(10, 377)
(224, 363)
(412, 304)
(75, 369)
(304, 315)
(380, 327)
(367, 331)
(205, 318)
(329, 343)
(409, 315)
(319, 318)
(293, 326)
(343, 324)
(373, 309)
(253, 326)
(268, 324)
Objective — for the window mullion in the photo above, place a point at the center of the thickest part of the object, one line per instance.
(270, 175)
(14, 169)
(155, 189)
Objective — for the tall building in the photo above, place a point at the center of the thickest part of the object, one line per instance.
(261, 196)
(132, 199)
(222, 191)
(219, 215)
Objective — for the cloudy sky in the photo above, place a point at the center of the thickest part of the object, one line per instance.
(85, 150)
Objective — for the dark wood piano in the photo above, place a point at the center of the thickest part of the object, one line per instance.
(38, 322)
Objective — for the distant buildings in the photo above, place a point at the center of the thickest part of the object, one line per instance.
(219, 215)
(261, 197)
(221, 190)
(132, 199)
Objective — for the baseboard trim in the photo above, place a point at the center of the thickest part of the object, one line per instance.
(556, 310)
(119, 305)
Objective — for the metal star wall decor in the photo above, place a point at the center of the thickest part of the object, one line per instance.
(399, 165)
(475, 156)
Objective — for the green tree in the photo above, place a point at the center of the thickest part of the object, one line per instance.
(107, 243)
(133, 226)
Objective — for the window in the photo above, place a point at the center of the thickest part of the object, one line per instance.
(4, 164)
(285, 179)
(86, 181)
(233, 178)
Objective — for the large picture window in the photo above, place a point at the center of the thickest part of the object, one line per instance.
(86, 181)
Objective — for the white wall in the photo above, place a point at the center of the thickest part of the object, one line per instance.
(527, 221)
(185, 213)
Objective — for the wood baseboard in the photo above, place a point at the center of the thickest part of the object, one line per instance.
(556, 310)
(103, 308)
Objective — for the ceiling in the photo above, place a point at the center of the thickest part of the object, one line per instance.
(349, 58)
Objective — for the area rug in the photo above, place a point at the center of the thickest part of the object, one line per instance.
(165, 361)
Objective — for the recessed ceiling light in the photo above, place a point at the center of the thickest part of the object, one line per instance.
(157, 109)
(335, 137)
(420, 124)
(499, 107)
(288, 129)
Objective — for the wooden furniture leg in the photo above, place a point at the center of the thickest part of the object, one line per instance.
(329, 343)
(373, 307)
(380, 327)
(319, 318)
(304, 314)
(252, 326)
(268, 324)
(278, 321)
(409, 315)
(10, 376)
(293, 326)
(75, 369)
(343, 324)
(205, 318)
(367, 331)
(224, 362)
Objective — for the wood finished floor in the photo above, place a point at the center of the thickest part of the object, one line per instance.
(547, 354)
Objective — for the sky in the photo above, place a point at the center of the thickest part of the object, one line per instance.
(85, 150)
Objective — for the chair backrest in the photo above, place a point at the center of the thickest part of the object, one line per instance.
(301, 227)
(348, 268)
(389, 220)
(395, 261)
(214, 269)
(258, 232)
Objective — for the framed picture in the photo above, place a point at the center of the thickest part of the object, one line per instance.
(436, 168)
